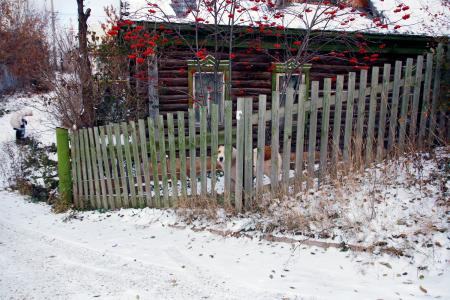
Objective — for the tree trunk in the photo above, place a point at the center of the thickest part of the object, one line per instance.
(87, 94)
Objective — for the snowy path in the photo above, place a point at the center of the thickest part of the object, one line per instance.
(130, 253)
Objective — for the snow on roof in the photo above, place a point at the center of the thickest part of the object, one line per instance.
(426, 17)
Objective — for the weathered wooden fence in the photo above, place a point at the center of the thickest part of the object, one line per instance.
(155, 162)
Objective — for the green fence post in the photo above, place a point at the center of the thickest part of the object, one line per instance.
(64, 170)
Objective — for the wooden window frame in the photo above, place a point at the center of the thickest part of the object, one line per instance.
(281, 69)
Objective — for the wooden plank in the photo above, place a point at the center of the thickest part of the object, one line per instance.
(312, 133)
(101, 170)
(300, 138)
(146, 165)
(372, 113)
(77, 178)
(192, 154)
(261, 142)
(89, 169)
(93, 147)
(337, 120)
(154, 162)
(394, 105)
(214, 146)
(349, 117)
(163, 161)
(325, 128)
(182, 152)
(248, 152)
(287, 139)
(383, 110)
(433, 134)
(106, 165)
(405, 103)
(85, 195)
(416, 98)
(360, 117)
(426, 99)
(239, 153)
(275, 140)
(203, 150)
(228, 151)
(137, 165)
(124, 200)
(172, 157)
(114, 164)
(73, 159)
(129, 163)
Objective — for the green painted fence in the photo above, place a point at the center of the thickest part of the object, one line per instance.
(155, 163)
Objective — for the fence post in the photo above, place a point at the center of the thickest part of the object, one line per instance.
(64, 170)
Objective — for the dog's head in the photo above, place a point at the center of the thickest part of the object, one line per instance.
(221, 154)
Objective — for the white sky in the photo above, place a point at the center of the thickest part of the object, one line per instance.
(67, 11)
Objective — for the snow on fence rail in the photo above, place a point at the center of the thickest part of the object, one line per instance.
(153, 164)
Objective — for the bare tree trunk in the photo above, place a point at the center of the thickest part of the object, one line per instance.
(87, 92)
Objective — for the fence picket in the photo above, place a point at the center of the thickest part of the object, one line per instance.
(87, 153)
(163, 161)
(203, 150)
(93, 147)
(240, 153)
(182, 152)
(137, 165)
(287, 138)
(349, 116)
(416, 98)
(73, 156)
(144, 159)
(372, 112)
(337, 120)
(101, 170)
(79, 178)
(121, 166)
(394, 105)
(360, 116)
(261, 142)
(214, 146)
(426, 98)
(275, 140)
(383, 110)
(312, 133)
(114, 165)
(325, 128)
(154, 162)
(85, 196)
(248, 152)
(405, 104)
(228, 151)
(129, 164)
(435, 96)
(192, 154)
(172, 157)
(107, 169)
(300, 138)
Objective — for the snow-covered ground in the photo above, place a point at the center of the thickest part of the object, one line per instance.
(138, 254)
